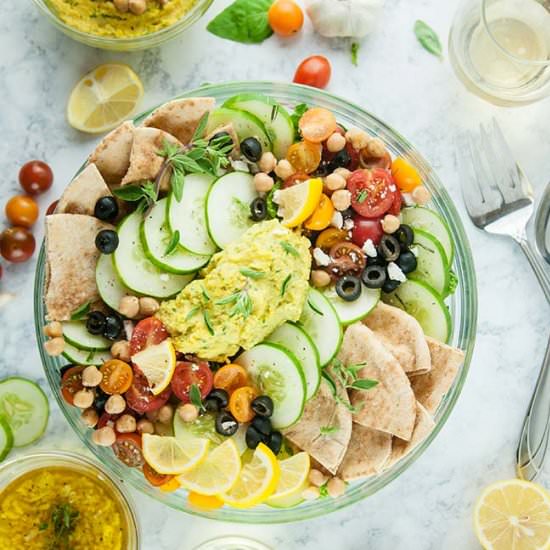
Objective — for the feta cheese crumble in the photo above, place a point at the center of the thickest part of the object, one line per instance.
(369, 249)
(395, 273)
(321, 258)
(337, 220)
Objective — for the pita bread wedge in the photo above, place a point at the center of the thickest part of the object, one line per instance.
(112, 155)
(402, 334)
(71, 258)
(83, 192)
(422, 427)
(180, 117)
(430, 388)
(320, 411)
(367, 454)
(390, 406)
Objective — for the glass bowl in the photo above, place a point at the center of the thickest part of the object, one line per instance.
(20, 466)
(127, 44)
(462, 305)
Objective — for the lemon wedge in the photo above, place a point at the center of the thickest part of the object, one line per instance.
(257, 480)
(513, 514)
(293, 481)
(297, 203)
(104, 98)
(166, 455)
(157, 363)
(217, 473)
(204, 502)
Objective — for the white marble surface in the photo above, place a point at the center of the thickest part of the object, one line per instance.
(430, 506)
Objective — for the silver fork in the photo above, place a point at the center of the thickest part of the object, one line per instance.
(499, 200)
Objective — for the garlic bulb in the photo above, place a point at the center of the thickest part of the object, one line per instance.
(348, 18)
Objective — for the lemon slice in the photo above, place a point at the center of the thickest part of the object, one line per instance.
(293, 481)
(166, 455)
(104, 98)
(257, 480)
(513, 514)
(204, 502)
(157, 363)
(297, 203)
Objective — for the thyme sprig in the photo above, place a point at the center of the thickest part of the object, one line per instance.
(63, 522)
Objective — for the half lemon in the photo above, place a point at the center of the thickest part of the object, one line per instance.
(166, 455)
(297, 203)
(157, 363)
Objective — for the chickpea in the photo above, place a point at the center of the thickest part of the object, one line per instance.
(121, 5)
(126, 424)
(320, 278)
(336, 142)
(334, 182)
(83, 399)
(344, 172)
(121, 350)
(311, 493)
(148, 306)
(129, 306)
(104, 437)
(263, 182)
(145, 426)
(90, 417)
(267, 163)
(54, 329)
(341, 199)
(137, 7)
(359, 139)
(336, 487)
(284, 169)
(91, 377)
(163, 429)
(317, 478)
(115, 404)
(153, 416)
(55, 346)
(376, 148)
(166, 413)
(188, 412)
(420, 195)
(390, 224)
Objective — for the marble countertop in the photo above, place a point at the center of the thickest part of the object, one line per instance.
(430, 505)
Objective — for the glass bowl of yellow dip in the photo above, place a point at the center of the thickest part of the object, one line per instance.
(63, 500)
(100, 25)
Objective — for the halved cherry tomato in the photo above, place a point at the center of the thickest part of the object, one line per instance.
(317, 124)
(347, 258)
(296, 178)
(240, 403)
(313, 71)
(148, 332)
(305, 156)
(127, 449)
(51, 208)
(117, 376)
(364, 229)
(395, 208)
(371, 195)
(405, 175)
(170, 486)
(230, 377)
(188, 374)
(140, 398)
(285, 17)
(329, 237)
(367, 161)
(204, 502)
(322, 215)
(71, 382)
(35, 177)
(106, 419)
(22, 210)
(154, 478)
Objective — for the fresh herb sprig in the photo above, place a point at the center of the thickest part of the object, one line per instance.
(428, 38)
(328, 430)
(63, 522)
(298, 113)
(195, 397)
(242, 303)
(355, 53)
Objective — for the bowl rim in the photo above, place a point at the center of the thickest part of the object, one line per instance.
(466, 329)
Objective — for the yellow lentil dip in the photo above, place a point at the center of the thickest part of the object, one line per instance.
(28, 503)
(100, 17)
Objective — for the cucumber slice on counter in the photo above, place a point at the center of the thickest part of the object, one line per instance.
(295, 339)
(321, 323)
(188, 216)
(432, 265)
(6, 438)
(82, 357)
(275, 371)
(155, 238)
(274, 116)
(76, 333)
(228, 207)
(350, 312)
(136, 271)
(425, 305)
(108, 283)
(25, 407)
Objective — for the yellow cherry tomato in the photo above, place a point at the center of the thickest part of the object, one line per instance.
(322, 215)
(305, 156)
(170, 486)
(204, 502)
(405, 175)
(329, 237)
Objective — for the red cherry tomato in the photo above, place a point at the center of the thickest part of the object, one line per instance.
(127, 449)
(106, 419)
(395, 208)
(313, 71)
(17, 244)
(371, 195)
(148, 332)
(364, 229)
(51, 208)
(1, 271)
(153, 477)
(71, 382)
(186, 374)
(35, 177)
(347, 259)
(140, 398)
(298, 177)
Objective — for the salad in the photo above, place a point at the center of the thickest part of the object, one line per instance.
(251, 301)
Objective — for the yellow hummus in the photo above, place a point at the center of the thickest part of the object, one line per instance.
(101, 17)
(249, 289)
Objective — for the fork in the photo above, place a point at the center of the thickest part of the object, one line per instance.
(499, 200)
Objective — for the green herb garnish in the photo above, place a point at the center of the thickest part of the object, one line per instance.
(134, 193)
(285, 284)
(173, 244)
(208, 322)
(298, 113)
(81, 312)
(289, 249)
(428, 38)
(323, 491)
(328, 430)
(251, 273)
(195, 396)
(314, 308)
(242, 303)
(205, 295)
(270, 204)
(192, 312)
(362, 196)
(355, 53)
(63, 522)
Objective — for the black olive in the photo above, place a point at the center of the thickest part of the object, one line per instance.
(374, 276)
(253, 437)
(348, 288)
(221, 396)
(275, 442)
(113, 326)
(390, 285)
(95, 322)
(106, 241)
(106, 209)
(211, 404)
(377, 260)
(389, 248)
(407, 261)
(251, 148)
(340, 160)
(263, 406)
(99, 400)
(262, 424)
(405, 235)
(226, 423)
(258, 209)
(348, 213)
(217, 137)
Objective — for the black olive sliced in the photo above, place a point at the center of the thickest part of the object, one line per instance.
(95, 323)
(113, 326)
(389, 248)
(253, 437)
(275, 442)
(226, 423)
(221, 396)
(99, 400)
(407, 262)
(405, 235)
(106, 209)
(106, 241)
(390, 285)
(251, 148)
(211, 404)
(374, 276)
(262, 424)
(348, 288)
(263, 406)
(258, 209)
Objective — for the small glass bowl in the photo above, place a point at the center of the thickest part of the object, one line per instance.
(17, 467)
(127, 44)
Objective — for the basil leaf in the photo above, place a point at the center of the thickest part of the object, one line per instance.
(271, 206)
(195, 396)
(201, 127)
(355, 53)
(364, 384)
(243, 21)
(428, 38)
(173, 244)
(129, 193)
(81, 312)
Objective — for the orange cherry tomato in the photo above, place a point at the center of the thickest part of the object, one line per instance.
(117, 376)
(230, 377)
(154, 478)
(285, 17)
(322, 215)
(305, 156)
(204, 502)
(329, 237)
(240, 403)
(22, 210)
(170, 486)
(313, 71)
(405, 175)
(317, 124)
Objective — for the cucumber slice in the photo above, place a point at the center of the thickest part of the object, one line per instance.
(274, 116)
(320, 321)
(419, 217)
(82, 357)
(275, 371)
(25, 407)
(350, 312)
(6, 438)
(432, 265)
(136, 271)
(109, 285)
(425, 305)
(228, 207)
(155, 237)
(188, 216)
(76, 333)
(245, 125)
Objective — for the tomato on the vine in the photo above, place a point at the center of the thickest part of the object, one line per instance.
(285, 17)
(148, 332)
(371, 195)
(17, 244)
(187, 374)
(127, 449)
(314, 71)
(35, 177)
